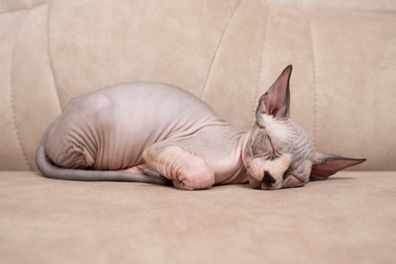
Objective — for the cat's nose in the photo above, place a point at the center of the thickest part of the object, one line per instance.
(268, 180)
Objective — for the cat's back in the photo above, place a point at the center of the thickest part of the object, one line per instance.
(117, 123)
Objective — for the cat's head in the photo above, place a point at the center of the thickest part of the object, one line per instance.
(275, 137)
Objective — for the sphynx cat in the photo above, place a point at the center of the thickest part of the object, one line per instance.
(158, 133)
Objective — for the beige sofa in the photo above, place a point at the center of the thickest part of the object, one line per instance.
(226, 52)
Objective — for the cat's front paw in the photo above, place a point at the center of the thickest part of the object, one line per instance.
(194, 174)
(291, 182)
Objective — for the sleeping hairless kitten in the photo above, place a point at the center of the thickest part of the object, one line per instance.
(158, 133)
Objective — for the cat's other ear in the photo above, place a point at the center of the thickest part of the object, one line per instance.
(276, 101)
(325, 165)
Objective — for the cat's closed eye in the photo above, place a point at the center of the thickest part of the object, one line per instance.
(261, 146)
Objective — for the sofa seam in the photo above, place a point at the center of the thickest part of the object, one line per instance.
(259, 77)
(314, 85)
(22, 9)
(12, 97)
(219, 44)
(50, 60)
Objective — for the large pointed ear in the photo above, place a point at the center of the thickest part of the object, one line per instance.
(325, 165)
(276, 101)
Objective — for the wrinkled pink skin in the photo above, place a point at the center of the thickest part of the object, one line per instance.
(133, 126)
(125, 131)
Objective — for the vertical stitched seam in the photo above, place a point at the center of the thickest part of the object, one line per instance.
(51, 65)
(214, 56)
(314, 84)
(12, 98)
(260, 66)
(3, 10)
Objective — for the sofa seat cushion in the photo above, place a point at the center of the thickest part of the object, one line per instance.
(349, 218)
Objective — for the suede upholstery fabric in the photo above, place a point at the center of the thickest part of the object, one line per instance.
(348, 219)
(227, 53)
